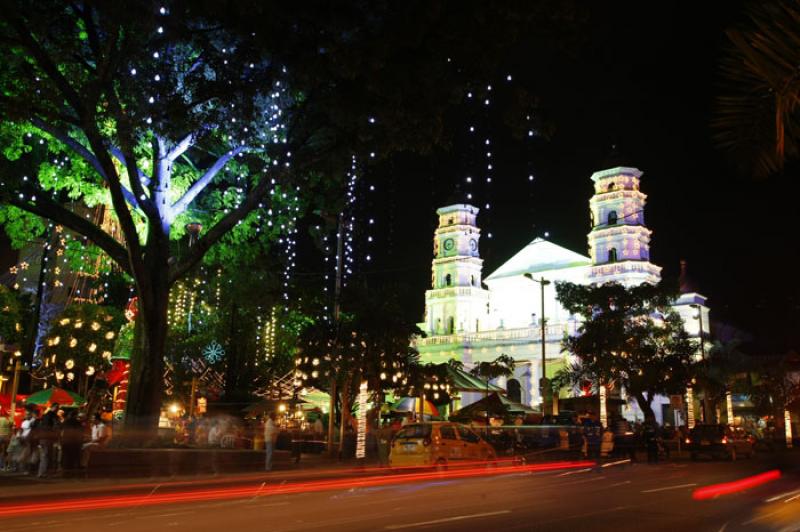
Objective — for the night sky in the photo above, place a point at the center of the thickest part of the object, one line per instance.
(645, 81)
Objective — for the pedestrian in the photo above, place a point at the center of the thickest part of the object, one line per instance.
(71, 443)
(651, 441)
(47, 435)
(270, 437)
(607, 444)
(384, 443)
(99, 438)
(318, 428)
(6, 426)
(15, 452)
(215, 433)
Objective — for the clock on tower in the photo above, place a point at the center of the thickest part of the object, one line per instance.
(456, 301)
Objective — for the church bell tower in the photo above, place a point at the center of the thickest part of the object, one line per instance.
(619, 242)
(456, 302)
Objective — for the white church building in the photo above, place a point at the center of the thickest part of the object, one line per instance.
(472, 319)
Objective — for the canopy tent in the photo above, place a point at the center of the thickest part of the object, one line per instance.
(494, 405)
(55, 394)
(463, 381)
(411, 404)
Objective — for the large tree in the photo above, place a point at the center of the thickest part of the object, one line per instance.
(170, 115)
(628, 337)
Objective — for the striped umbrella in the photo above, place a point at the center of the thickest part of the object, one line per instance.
(55, 394)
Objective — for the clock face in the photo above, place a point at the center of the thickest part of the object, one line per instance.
(473, 244)
(448, 244)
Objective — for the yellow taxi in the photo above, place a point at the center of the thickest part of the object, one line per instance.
(438, 444)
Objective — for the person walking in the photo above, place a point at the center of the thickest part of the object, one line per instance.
(71, 442)
(270, 437)
(6, 424)
(651, 441)
(48, 432)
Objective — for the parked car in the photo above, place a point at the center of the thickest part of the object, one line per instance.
(719, 441)
(438, 444)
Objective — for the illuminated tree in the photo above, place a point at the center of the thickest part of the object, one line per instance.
(171, 117)
(79, 344)
(629, 337)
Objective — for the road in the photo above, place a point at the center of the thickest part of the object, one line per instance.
(617, 497)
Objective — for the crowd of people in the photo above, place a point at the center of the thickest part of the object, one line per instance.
(52, 441)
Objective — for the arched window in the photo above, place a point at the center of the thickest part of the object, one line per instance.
(610, 187)
(451, 326)
(612, 255)
(514, 390)
(472, 280)
(448, 279)
(612, 218)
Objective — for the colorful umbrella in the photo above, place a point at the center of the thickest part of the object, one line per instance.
(411, 404)
(55, 395)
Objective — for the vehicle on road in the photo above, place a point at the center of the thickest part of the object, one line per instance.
(719, 441)
(438, 444)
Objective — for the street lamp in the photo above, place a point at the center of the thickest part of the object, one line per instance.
(543, 381)
(698, 315)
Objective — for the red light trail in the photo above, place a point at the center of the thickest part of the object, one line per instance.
(726, 488)
(262, 490)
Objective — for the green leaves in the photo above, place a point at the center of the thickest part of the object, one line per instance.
(629, 337)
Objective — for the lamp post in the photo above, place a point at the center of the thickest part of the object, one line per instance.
(699, 317)
(543, 381)
(18, 368)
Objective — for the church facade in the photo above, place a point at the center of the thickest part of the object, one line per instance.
(472, 319)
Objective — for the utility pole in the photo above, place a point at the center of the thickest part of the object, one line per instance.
(699, 317)
(543, 381)
(15, 384)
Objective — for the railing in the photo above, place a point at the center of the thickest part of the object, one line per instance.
(453, 291)
(552, 332)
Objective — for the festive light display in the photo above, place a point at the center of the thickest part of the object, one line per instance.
(361, 437)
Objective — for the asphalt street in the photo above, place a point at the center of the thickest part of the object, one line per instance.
(617, 497)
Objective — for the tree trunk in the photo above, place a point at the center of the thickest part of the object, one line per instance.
(345, 414)
(143, 407)
(645, 407)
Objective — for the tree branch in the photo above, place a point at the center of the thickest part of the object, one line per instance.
(200, 247)
(144, 179)
(46, 63)
(198, 186)
(50, 210)
(82, 151)
(180, 148)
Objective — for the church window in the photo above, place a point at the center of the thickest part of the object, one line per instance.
(472, 280)
(477, 325)
(514, 390)
(448, 279)
(612, 218)
(610, 187)
(451, 325)
(612, 255)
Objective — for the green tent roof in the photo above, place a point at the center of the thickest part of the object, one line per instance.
(466, 382)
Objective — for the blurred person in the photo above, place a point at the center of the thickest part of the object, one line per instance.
(48, 435)
(607, 443)
(215, 434)
(384, 437)
(100, 435)
(15, 452)
(72, 435)
(318, 428)
(650, 435)
(6, 426)
(270, 437)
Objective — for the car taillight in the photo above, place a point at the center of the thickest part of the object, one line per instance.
(724, 439)
(426, 442)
